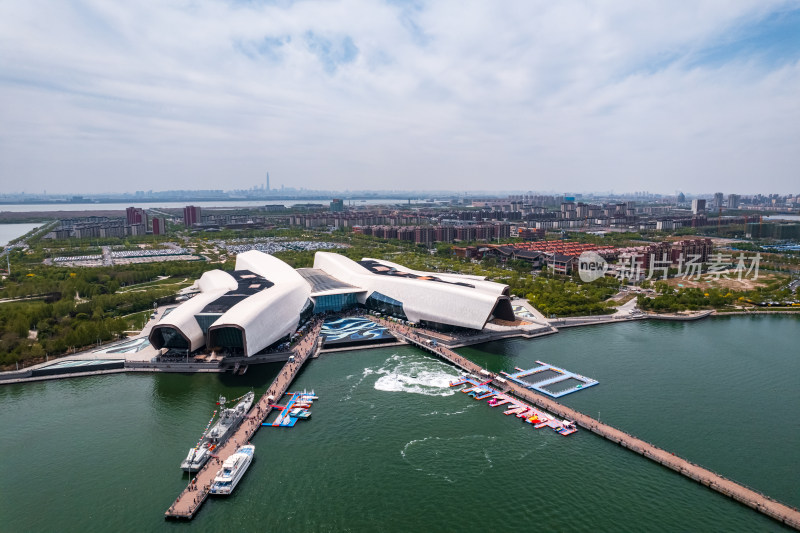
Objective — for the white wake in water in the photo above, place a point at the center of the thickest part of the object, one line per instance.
(451, 413)
(417, 376)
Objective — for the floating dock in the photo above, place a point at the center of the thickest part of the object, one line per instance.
(531, 415)
(780, 512)
(545, 376)
(189, 501)
(296, 408)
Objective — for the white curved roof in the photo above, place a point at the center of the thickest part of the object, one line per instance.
(267, 266)
(272, 313)
(215, 280)
(212, 284)
(264, 317)
(479, 282)
(435, 301)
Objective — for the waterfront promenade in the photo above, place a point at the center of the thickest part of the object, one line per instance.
(193, 496)
(749, 497)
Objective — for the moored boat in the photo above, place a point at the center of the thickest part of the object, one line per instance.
(300, 413)
(232, 470)
(227, 423)
(308, 396)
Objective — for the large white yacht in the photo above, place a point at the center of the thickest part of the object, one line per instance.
(232, 470)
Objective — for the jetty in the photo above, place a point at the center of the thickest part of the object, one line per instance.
(194, 495)
(752, 498)
(531, 415)
(286, 418)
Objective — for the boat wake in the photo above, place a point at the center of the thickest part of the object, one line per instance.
(459, 412)
(417, 376)
(347, 396)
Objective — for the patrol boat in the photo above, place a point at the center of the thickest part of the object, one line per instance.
(229, 420)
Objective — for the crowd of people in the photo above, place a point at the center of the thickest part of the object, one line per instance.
(303, 349)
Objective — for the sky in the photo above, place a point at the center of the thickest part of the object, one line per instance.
(567, 96)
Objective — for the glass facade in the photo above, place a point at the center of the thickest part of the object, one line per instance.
(172, 339)
(383, 304)
(205, 321)
(306, 312)
(335, 302)
(227, 338)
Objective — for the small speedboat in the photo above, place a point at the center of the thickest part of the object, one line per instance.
(300, 413)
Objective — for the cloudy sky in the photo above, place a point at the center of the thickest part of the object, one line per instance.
(563, 96)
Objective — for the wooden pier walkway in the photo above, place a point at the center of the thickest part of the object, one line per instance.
(760, 502)
(193, 496)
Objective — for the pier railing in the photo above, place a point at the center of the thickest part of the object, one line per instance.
(752, 498)
(189, 501)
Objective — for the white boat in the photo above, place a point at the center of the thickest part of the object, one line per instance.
(215, 437)
(232, 470)
(197, 457)
(308, 396)
(300, 413)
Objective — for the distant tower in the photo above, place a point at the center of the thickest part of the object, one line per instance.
(267, 181)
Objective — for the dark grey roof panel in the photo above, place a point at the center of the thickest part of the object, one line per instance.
(248, 285)
(321, 281)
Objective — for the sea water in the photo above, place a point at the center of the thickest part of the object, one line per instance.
(391, 447)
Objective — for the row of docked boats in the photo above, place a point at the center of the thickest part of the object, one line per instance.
(301, 407)
(213, 438)
(234, 467)
(296, 408)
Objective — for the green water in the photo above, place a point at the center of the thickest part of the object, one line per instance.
(391, 448)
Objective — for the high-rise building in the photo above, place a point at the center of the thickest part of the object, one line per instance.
(191, 215)
(698, 206)
(733, 201)
(718, 196)
(337, 205)
(136, 229)
(159, 226)
(135, 215)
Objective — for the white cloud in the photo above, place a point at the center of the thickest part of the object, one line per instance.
(444, 95)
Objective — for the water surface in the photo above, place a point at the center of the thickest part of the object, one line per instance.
(391, 448)
(9, 232)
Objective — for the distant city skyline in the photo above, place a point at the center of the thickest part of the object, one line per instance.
(255, 193)
(366, 96)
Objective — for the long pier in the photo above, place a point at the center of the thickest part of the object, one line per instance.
(755, 500)
(189, 501)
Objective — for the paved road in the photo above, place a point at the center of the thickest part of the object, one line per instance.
(626, 308)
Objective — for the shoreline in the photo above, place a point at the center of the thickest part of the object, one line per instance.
(11, 377)
(756, 313)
